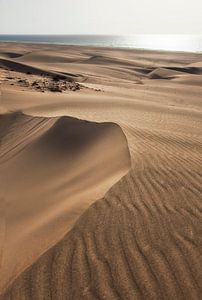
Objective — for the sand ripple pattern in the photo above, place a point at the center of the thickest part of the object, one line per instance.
(141, 241)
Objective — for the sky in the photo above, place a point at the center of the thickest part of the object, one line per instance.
(101, 17)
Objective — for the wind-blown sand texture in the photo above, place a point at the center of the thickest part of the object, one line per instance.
(69, 118)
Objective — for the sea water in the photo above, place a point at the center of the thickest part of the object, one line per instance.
(186, 43)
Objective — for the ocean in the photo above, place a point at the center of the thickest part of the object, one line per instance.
(185, 43)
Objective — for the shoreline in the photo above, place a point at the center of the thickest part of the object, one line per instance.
(98, 46)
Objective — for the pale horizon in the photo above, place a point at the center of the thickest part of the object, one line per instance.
(88, 17)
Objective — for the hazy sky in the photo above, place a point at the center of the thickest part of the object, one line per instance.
(100, 16)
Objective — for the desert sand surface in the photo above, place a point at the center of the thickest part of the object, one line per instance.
(100, 171)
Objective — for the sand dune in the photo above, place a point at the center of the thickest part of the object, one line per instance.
(10, 55)
(171, 72)
(52, 164)
(47, 57)
(27, 69)
(142, 238)
(189, 80)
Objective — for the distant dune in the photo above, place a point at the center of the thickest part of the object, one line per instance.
(100, 161)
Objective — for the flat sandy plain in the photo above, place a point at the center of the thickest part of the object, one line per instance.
(100, 159)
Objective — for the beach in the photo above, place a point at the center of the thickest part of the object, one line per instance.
(100, 158)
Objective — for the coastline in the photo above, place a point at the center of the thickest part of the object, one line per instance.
(102, 41)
